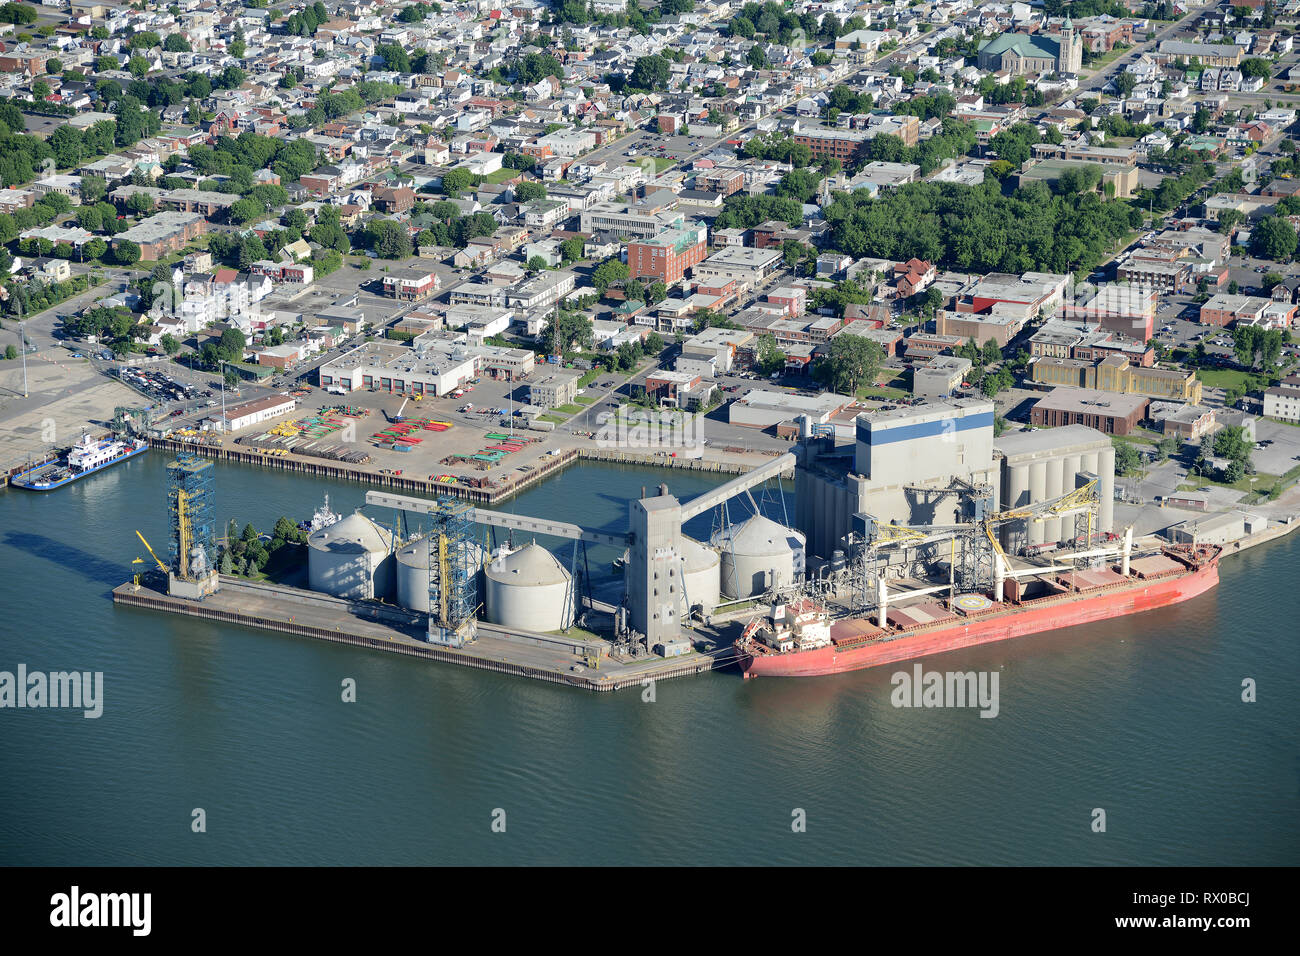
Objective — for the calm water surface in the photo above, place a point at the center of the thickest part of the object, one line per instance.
(1141, 717)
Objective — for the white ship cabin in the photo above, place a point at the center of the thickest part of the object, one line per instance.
(89, 453)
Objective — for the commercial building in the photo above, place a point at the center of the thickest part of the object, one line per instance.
(553, 390)
(436, 370)
(719, 346)
(746, 266)
(1116, 375)
(1283, 401)
(162, 234)
(1222, 310)
(1127, 309)
(1108, 412)
(1117, 181)
(668, 255)
(941, 377)
(410, 284)
(252, 413)
(648, 217)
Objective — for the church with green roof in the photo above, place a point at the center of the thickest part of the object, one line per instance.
(1021, 53)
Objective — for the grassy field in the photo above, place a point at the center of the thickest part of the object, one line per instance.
(501, 175)
(1260, 481)
(554, 419)
(1232, 378)
(567, 409)
(662, 163)
(584, 399)
(881, 391)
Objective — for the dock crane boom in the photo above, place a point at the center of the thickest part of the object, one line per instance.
(165, 569)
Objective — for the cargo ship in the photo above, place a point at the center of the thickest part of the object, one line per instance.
(798, 639)
(85, 458)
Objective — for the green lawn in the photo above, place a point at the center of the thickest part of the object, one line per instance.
(554, 419)
(1232, 378)
(568, 409)
(584, 399)
(1261, 482)
(501, 175)
(662, 163)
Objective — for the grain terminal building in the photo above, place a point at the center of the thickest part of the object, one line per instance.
(920, 466)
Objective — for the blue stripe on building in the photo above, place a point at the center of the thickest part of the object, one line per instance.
(886, 436)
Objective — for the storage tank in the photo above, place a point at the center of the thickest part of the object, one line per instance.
(701, 575)
(413, 574)
(351, 558)
(529, 589)
(758, 554)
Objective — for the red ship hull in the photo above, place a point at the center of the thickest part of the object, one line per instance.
(1000, 625)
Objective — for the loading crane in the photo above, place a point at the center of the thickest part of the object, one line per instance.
(161, 566)
(399, 417)
(975, 545)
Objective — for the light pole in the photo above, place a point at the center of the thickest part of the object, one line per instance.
(22, 347)
(221, 366)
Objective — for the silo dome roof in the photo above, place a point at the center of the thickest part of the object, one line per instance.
(763, 536)
(356, 533)
(697, 556)
(530, 566)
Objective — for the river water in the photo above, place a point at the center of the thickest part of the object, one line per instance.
(1140, 717)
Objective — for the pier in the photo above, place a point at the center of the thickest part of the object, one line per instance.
(554, 658)
(491, 494)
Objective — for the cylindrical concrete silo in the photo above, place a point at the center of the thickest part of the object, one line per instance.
(351, 558)
(1037, 495)
(701, 576)
(757, 555)
(1055, 529)
(529, 589)
(1106, 489)
(1014, 534)
(413, 574)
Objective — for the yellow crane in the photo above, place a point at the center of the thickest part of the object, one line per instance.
(165, 569)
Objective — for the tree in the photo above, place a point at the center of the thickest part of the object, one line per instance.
(169, 343)
(650, 73)
(768, 356)
(991, 352)
(756, 57)
(853, 360)
(1127, 459)
(571, 250)
(656, 292)
(126, 253)
(175, 43)
(11, 352)
(608, 272)
(1125, 83)
(535, 264)
(138, 66)
(1273, 238)
(528, 191)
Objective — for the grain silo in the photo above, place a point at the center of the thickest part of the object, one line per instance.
(351, 558)
(757, 555)
(529, 589)
(413, 574)
(701, 576)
